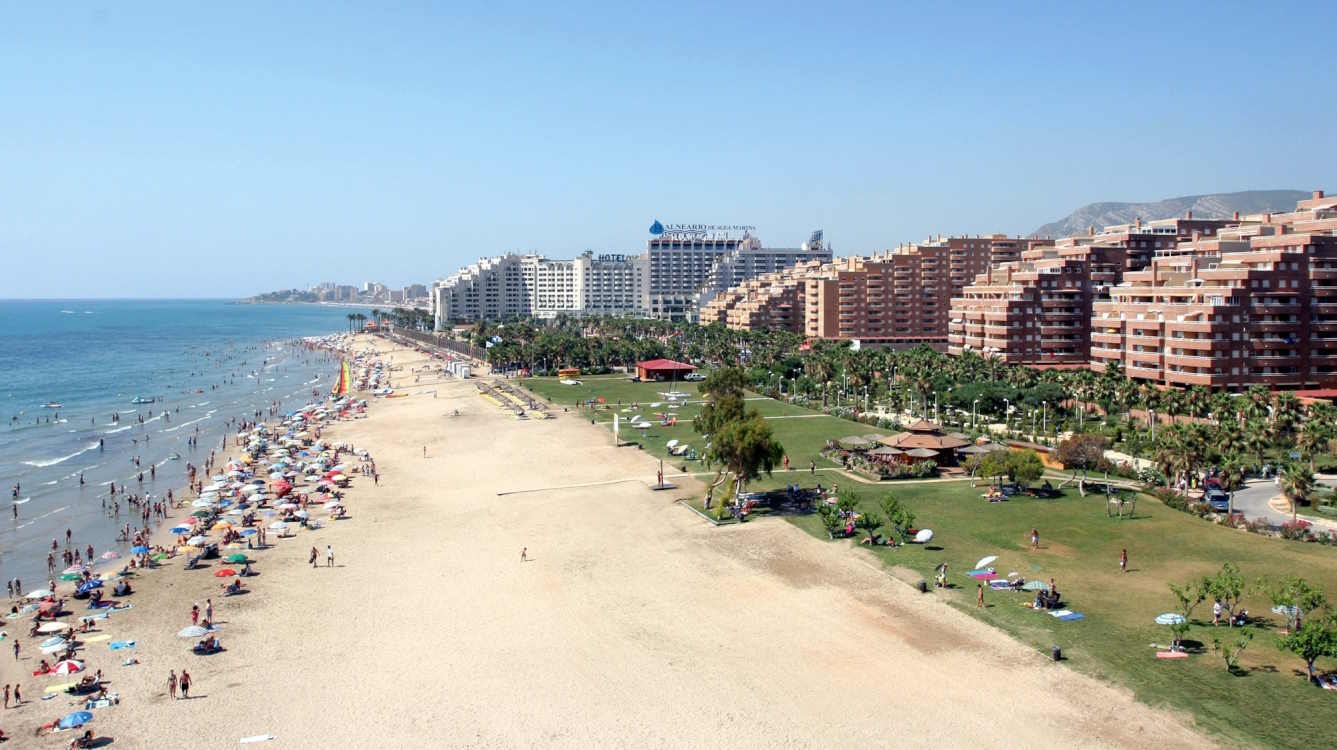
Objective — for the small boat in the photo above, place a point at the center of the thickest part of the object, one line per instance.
(142, 400)
(53, 405)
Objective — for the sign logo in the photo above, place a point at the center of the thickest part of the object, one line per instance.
(656, 228)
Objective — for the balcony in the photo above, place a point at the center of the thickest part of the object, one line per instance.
(1135, 371)
(1183, 377)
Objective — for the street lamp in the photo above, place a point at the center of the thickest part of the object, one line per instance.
(975, 414)
(935, 406)
(1044, 420)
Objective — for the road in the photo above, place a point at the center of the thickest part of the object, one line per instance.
(1252, 500)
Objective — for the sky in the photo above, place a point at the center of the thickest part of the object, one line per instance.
(225, 149)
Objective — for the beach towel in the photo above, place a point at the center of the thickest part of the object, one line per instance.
(96, 638)
(1000, 585)
(1171, 655)
(1073, 617)
(60, 688)
(1060, 612)
(119, 645)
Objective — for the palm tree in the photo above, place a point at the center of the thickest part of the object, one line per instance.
(1297, 483)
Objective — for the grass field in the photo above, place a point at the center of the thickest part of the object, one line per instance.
(1270, 703)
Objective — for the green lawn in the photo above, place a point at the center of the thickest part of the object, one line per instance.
(1270, 705)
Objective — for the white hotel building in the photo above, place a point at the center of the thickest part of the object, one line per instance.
(534, 286)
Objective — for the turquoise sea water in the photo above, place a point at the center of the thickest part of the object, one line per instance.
(201, 361)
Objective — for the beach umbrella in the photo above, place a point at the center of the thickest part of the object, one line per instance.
(37, 594)
(193, 631)
(70, 576)
(302, 514)
(52, 645)
(159, 557)
(48, 606)
(248, 532)
(984, 561)
(287, 506)
(1034, 586)
(278, 526)
(196, 541)
(1286, 609)
(110, 555)
(924, 535)
(69, 666)
(76, 719)
(52, 627)
(237, 558)
(249, 489)
(180, 529)
(138, 549)
(202, 503)
(236, 512)
(221, 526)
(201, 514)
(1170, 618)
(331, 505)
(224, 573)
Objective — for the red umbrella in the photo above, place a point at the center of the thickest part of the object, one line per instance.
(225, 573)
(68, 666)
(48, 605)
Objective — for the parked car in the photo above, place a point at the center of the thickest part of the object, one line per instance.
(1217, 498)
(693, 376)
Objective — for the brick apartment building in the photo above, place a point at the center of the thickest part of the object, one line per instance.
(900, 297)
(1248, 300)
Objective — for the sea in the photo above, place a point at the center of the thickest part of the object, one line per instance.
(109, 389)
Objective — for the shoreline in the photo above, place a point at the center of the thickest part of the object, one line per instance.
(634, 624)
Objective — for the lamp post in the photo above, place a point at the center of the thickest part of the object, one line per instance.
(975, 414)
(1044, 419)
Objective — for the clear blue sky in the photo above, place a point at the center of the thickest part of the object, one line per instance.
(172, 151)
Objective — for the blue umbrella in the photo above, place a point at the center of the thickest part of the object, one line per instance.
(247, 532)
(87, 586)
(1170, 618)
(76, 719)
(180, 529)
(139, 549)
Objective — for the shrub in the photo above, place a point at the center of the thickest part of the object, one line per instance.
(1297, 530)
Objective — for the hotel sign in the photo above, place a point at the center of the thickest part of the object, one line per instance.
(697, 231)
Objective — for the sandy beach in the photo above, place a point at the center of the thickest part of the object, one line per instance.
(634, 624)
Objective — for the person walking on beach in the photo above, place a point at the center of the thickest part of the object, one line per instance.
(171, 684)
(18, 696)
(329, 556)
(185, 684)
(312, 558)
(209, 610)
(195, 613)
(979, 597)
(424, 451)
(1123, 561)
(524, 557)
(6, 695)
(16, 650)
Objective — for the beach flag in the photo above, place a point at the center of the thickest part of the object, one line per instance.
(341, 385)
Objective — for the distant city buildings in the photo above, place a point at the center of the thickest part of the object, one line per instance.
(531, 285)
(683, 267)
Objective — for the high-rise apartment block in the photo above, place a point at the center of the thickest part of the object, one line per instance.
(900, 297)
(530, 285)
(1178, 302)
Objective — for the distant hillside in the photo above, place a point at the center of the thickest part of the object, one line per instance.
(1216, 206)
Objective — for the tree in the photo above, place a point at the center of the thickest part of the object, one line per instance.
(901, 518)
(1297, 483)
(1226, 587)
(1230, 653)
(1296, 598)
(1082, 452)
(870, 523)
(1189, 596)
(1026, 466)
(1314, 639)
(745, 447)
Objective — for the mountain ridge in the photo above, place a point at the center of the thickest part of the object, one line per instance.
(1205, 206)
